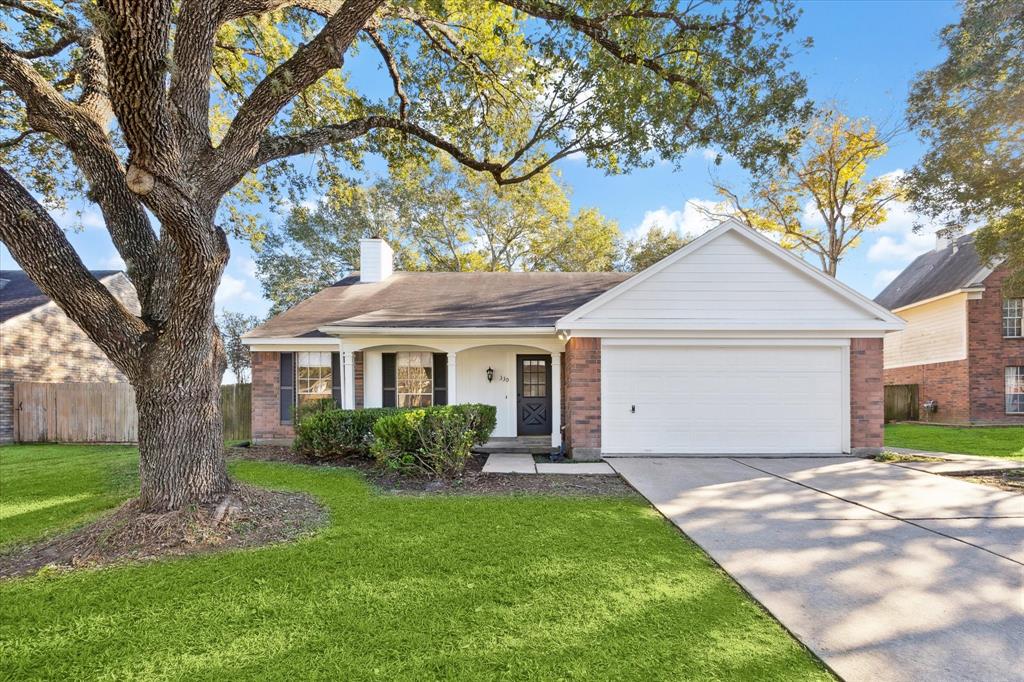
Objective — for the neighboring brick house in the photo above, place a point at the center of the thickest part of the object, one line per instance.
(963, 346)
(730, 345)
(38, 342)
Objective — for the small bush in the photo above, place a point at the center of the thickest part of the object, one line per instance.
(433, 440)
(328, 433)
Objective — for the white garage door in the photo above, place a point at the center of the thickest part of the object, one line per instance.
(722, 399)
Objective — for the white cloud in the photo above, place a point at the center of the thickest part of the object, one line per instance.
(689, 220)
(899, 242)
(883, 277)
(248, 266)
(232, 289)
(709, 154)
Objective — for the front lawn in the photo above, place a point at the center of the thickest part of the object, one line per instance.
(992, 441)
(406, 587)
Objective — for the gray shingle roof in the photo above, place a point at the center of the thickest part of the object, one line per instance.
(443, 299)
(19, 294)
(933, 274)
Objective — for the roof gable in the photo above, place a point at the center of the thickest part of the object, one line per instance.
(936, 273)
(19, 294)
(731, 278)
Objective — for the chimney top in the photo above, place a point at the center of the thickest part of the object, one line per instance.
(376, 260)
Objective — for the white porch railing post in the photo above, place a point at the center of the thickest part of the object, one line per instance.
(556, 400)
(453, 379)
(348, 373)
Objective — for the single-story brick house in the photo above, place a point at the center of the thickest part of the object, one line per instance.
(39, 343)
(963, 346)
(729, 345)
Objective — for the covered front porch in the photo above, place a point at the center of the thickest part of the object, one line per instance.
(519, 374)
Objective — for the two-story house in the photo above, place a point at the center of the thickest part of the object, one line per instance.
(963, 345)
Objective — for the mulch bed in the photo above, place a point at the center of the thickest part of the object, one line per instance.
(1011, 480)
(247, 517)
(472, 482)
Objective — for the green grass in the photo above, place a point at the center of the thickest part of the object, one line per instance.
(992, 441)
(48, 488)
(409, 587)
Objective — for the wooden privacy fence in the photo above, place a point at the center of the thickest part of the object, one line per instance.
(901, 403)
(103, 413)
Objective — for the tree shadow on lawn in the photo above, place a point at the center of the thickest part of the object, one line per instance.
(411, 587)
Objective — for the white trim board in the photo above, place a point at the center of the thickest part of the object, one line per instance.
(884, 319)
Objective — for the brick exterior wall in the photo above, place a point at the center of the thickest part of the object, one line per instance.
(989, 354)
(266, 397)
(44, 345)
(582, 366)
(867, 407)
(971, 390)
(944, 382)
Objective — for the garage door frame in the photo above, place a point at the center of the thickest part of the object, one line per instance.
(842, 344)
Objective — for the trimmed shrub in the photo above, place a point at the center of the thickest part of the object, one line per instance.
(433, 440)
(329, 433)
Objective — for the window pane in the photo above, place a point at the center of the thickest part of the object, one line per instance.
(414, 375)
(1015, 389)
(1013, 312)
(313, 376)
(535, 378)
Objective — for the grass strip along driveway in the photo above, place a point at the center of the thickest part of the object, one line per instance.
(403, 587)
(991, 441)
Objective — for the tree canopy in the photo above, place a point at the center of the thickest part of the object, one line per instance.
(820, 200)
(969, 110)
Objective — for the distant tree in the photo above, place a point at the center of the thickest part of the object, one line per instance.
(827, 174)
(232, 326)
(969, 110)
(437, 217)
(643, 252)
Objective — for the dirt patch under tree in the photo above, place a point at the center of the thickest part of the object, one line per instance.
(246, 517)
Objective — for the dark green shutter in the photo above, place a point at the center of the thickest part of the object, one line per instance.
(389, 381)
(287, 387)
(336, 378)
(440, 378)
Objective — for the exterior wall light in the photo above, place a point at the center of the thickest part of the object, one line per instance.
(490, 375)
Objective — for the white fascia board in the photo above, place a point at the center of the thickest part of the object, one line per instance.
(644, 326)
(933, 299)
(288, 341)
(732, 225)
(706, 334)
(436, 331)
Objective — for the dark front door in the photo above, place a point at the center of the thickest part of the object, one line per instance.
(533, 400)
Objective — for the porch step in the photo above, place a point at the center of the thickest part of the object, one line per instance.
(523, 445)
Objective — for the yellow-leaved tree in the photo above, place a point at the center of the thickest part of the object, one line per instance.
(820, 201)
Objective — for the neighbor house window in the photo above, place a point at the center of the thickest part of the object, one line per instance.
(312, 377)
(1015, 390)
(1013, 314)
(415, 379)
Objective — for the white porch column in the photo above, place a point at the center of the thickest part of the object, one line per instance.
(556, 400)
(348, 374)
(453, 379)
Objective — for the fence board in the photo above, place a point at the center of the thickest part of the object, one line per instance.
(901, 403)
(104, 413)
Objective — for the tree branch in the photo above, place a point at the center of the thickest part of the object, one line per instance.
(40, 247)
(311, 61)
(396, 77)
(198, 21)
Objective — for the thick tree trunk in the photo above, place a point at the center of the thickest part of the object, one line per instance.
(181, 447)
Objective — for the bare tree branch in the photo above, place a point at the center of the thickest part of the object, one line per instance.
(49, 50)
(392, 66)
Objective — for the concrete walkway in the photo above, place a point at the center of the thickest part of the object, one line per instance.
(885, 572)
(502, 463)
(953, 464)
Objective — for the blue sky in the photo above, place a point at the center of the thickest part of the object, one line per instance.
(864, 58)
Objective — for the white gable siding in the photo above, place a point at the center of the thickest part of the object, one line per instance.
(728, 283)
(935, 332)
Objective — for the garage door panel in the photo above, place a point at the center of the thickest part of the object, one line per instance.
(722, 399)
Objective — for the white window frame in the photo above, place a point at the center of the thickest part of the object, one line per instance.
(407, 355)
(1014, 379)
(321, 361)
(1013, 318)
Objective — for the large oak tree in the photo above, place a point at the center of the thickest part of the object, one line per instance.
(175, 116)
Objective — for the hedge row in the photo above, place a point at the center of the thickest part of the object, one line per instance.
(435, 440)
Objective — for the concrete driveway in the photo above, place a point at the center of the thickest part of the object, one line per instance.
(886, 573)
